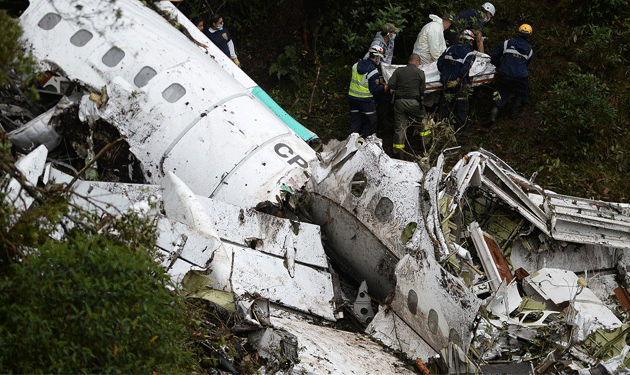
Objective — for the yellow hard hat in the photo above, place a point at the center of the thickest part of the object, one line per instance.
(525, 29)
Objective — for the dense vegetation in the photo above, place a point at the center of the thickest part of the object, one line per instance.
(65, 309)
(83, 293)
(573, 132)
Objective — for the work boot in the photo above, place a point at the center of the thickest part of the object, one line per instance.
(493, 114)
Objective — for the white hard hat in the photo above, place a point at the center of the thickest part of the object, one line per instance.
(376, 50)
(488, 7)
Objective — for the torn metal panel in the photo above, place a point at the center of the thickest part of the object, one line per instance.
(183, 244)
(512, 184)
(174, 103)
(253, 272)
(537, 221)
(624, 300)
(505, 300)
(40, 130)
(368, 220)
(181, 205)
(435, 304)
(587, 221)
(238, 268)
(455, 360)
(196, 285)
(568, 256)
(564, 288)
(365, 227)
(188, 241)
(485, 255)
(266, 233)
(499, 260)
(619, 365)
(31, 166)
(467, 173)
(363, 304)
(334, 154)
(432, 219)
(605, 345)
(325, 350)
(486, 170)
(110, 198)
(393, 332)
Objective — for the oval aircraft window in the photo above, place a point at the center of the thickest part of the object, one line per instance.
(144, 76)
(49, 21)
(81, 38)
(173, 93)
(112, 57)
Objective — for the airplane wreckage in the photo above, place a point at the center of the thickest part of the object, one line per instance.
(475, 270)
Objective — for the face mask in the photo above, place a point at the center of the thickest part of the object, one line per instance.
(220, 27)
(393, 37)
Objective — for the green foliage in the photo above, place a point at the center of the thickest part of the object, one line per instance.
(388, 14)
(287, 65)
(597, 11)
(578, 111)
(95, 302)
(602, 46)
(90, 305)
(13, 59)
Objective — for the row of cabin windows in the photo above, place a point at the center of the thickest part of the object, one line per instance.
(114, 56)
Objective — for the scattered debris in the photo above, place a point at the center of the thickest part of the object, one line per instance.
(470, 269)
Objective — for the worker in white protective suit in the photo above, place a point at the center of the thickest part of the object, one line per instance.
(430, 43)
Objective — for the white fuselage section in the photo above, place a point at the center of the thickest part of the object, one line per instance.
(178, 108)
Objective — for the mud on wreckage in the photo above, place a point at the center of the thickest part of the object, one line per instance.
(467, 271)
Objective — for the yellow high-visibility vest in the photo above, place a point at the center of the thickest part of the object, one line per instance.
(359, 84)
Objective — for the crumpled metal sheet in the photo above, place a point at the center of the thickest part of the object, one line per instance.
(435, 304)
(217, 118)
(41, 130)
(563, 287)
(326, 350)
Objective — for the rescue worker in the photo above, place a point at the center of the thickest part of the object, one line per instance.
(511, 59)
(198, 22)
(221, 37)
(409, 84)
(366, 82)
(454, 66)
(385, 39)
(430, 43)
(470, 19)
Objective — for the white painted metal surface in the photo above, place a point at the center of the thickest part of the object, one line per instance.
(435, 304)
(392, 331)
(31, 166)
(365, 227)
(586, 221)
(562, 287)
(505, 300)
(270, 234)
(257, 273)
(324, 350)
(36, 132)
(178, 108)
